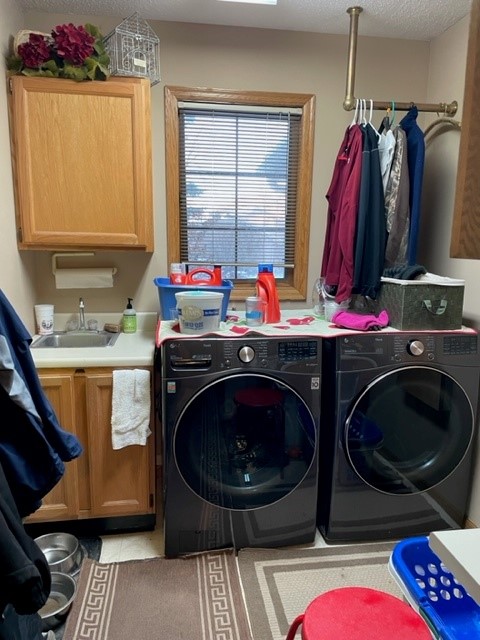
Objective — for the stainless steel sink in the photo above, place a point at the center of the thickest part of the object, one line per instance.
(75, 340)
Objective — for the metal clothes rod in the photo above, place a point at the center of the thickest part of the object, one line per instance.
(445, 108)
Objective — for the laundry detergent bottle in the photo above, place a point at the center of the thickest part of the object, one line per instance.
(267, 291)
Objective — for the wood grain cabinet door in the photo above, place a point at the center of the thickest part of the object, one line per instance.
(120, 480)
(81, 154)
(62, 502)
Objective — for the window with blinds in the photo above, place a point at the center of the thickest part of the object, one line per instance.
(238, 187)
(238, 178)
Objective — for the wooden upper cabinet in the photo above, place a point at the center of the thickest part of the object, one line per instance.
(82, 163)
(465, 241)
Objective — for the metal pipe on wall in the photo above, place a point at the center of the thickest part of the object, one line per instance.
(448, 109)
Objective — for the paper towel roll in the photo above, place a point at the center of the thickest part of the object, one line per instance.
(84, 278)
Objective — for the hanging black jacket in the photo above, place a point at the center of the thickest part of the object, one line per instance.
(25, 579)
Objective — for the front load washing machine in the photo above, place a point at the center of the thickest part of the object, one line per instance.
(399, 414)
(240, 420)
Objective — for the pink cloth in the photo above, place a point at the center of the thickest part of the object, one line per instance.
(360, 321)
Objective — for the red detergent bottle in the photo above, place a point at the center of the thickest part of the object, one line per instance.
(267, 291)
(204, 276)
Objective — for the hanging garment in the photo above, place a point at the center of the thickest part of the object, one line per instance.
(33, 445)
(397, 203)
(25, 579)
(416, 161)
(386, 150)
(371, 226)
(343, 193)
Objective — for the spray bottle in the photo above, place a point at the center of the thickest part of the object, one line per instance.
(129, 318)
(267, 291)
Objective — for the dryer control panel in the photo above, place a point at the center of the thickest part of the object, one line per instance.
(363, 351)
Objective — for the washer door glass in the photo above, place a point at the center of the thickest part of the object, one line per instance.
(408, 430)
(244, 442)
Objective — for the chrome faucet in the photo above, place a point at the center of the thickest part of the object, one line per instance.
(81, 310)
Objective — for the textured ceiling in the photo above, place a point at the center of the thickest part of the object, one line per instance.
(410, 19)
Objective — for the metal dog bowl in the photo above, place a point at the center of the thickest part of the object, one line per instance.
(55, 610)
(62, 551)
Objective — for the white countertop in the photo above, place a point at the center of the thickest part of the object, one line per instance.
(130, 349)
(459, 550)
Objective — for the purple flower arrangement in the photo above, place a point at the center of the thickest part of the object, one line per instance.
(69, 51)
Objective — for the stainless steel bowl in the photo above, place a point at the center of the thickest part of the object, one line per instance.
(62, 594)
(62, 551)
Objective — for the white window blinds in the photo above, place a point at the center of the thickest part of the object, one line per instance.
(238, 187)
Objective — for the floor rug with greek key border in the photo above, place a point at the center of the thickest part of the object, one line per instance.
(193, 597)
(280, 583)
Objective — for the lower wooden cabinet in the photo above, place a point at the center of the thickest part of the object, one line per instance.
(102, 482)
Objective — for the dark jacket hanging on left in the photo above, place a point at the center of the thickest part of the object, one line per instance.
(33, 445)
(25, 578)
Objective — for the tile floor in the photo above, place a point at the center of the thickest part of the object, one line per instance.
(149, 544)
(132, 546)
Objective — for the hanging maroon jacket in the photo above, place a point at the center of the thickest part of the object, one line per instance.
(342, 196)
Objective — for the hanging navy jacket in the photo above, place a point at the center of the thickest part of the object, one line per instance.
(33, 445)
(416, 161)
(371, 234)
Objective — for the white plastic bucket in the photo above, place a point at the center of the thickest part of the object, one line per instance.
(199, 311)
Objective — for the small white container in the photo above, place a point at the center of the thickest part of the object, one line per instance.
(199, 311)
(44, 318)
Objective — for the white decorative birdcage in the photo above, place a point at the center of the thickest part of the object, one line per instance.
(134, 49)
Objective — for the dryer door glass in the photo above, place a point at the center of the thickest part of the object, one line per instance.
(244, 442)
(408, 430)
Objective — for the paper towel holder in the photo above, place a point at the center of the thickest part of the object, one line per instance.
(78, 254)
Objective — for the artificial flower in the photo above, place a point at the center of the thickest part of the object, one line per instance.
(70, 51)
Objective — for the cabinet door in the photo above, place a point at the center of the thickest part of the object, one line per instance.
(120, 480)
(62, 502)
(81, 155)
(465, 242)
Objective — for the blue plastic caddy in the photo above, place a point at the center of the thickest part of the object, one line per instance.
(168, 302)
(433, 591)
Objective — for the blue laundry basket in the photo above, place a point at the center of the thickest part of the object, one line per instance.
(433, 591)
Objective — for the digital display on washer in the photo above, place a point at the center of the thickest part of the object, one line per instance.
(294, 350)
(460, 345)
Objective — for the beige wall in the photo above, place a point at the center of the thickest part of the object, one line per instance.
(256, 59)
(16, 270)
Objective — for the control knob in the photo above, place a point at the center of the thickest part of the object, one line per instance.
(246, 354)
(415, 347)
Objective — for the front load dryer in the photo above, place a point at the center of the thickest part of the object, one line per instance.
(399, 415)
(240, 420)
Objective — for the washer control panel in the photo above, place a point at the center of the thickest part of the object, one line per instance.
(220, 354)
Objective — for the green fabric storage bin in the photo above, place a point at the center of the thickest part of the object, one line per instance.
(430, 302)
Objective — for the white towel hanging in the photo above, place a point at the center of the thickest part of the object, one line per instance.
(130, 407)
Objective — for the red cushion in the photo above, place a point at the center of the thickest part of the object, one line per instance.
(358, 613)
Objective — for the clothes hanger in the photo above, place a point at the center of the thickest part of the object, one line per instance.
(379, 137)
(363, 110)
(355, 115)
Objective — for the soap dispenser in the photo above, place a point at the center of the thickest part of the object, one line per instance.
(129, 318)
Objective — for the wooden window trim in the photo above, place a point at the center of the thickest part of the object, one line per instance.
(295, 285)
